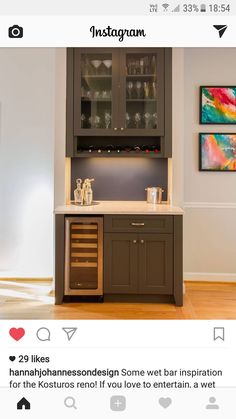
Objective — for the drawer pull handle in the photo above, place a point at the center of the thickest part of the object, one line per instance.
(134, 241)
(142, 241)
(137, 224)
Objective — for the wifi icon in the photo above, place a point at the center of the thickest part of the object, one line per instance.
(165, 6)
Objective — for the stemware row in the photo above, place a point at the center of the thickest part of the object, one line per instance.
(97, 67)
(139, 90)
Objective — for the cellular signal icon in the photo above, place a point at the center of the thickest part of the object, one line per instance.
(165, 6)
(176, 9)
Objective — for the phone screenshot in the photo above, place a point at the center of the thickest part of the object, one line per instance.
(118, 209)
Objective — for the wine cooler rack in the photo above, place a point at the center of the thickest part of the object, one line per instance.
(84, 256)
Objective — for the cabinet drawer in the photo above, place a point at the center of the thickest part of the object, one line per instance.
(138, 223)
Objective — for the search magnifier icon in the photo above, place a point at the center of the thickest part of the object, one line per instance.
(70, 402)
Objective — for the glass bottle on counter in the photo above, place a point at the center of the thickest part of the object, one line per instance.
(78, 195)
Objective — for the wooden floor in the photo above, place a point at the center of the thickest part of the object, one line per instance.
(32, 300)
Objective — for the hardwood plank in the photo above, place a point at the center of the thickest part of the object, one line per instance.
(33, 300)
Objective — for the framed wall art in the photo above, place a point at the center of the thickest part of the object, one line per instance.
(218, 105)
(217, 152)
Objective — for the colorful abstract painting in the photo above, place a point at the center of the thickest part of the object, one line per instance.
(218, 105)
(218, 152)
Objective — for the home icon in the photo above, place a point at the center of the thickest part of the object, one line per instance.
(23, 404)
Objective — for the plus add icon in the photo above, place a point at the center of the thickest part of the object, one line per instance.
(118, 403)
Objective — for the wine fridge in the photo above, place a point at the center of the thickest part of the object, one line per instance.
(84, 256)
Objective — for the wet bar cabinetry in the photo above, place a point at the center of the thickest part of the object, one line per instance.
(137, 257)
(140, 258)
(119, 102)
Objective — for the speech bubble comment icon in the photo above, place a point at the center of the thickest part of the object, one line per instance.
(43, 334)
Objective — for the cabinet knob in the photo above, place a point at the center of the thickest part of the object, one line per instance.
(134, 241)
(142, 241)
(122, 129)
(115, 129)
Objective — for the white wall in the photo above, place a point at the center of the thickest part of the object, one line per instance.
(27, 78)
(32, 146)
(210, 198)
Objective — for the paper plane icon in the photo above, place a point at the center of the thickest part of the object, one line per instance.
(70, 331)
(221, 29)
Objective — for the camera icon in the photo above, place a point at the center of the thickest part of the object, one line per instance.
(15, 31)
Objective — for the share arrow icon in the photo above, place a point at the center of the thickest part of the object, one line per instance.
(221, 29)
(70, 331)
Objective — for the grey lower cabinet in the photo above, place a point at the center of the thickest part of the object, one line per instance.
(138, 263)
(142, 258)
(143, 266)
(120, 263)
(155, 269)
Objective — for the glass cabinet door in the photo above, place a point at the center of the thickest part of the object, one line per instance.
(94, 98)
(144, 92)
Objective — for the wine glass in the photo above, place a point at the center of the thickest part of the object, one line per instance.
(107, 118)
(130, 86)
(141, 65)
(96, 64)
(91, 121)
(138, 89)
(155, 120)
(82, 119)
(154, 90)
(146, 89)
(97, 94)
(97, 121)
(147, 118)
(108, 64)
(137, 119)
(127, 120)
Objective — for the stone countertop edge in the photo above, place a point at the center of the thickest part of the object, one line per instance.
(120, 208)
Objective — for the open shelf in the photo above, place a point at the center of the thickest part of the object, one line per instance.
(94, 76)
(143, 154)
(136, 76)
(141, 100)
(95, 100)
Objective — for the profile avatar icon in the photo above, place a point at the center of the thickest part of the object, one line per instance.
(212, 404)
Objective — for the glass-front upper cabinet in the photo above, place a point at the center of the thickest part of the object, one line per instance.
(95, 108)
(143, 91)
(119, 92)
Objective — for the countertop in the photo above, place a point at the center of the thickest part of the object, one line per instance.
(120, 207)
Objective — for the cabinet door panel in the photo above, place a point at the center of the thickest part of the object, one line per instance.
(155, 263)
(120, 263)
(142, 91)
(95, 86)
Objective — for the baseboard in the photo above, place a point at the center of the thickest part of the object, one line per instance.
(209, 277)
(213, 205)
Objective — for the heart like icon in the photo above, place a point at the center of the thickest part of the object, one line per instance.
(17, 334)
(12, 358)
(165, 402)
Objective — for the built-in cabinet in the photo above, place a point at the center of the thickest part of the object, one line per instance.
(138, 263)
(138, 254)
(119, 102)
(142, 257)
